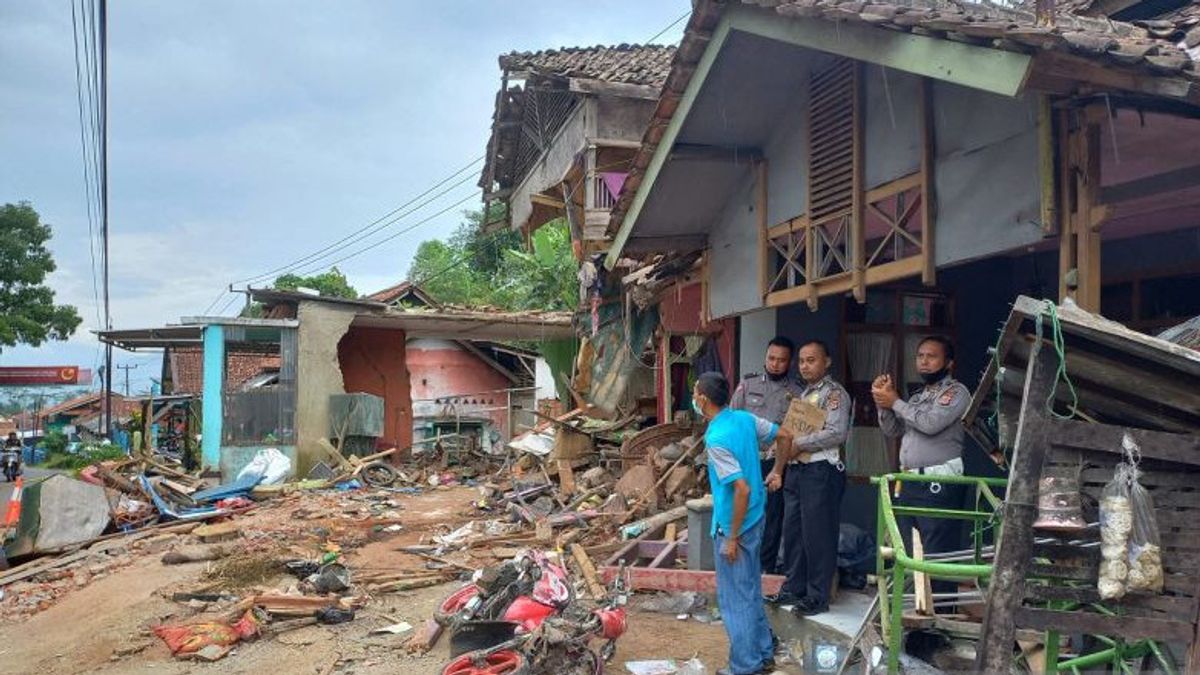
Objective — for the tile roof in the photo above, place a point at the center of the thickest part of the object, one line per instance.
(187, 368)
(1101, 39)
(1118, 46)
(401, 291)
(626, 64)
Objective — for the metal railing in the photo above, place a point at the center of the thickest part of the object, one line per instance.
(892, 582)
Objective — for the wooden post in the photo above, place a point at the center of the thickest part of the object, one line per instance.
(858, 225)
(1045, 130)
(760, 179)
(1066, 179)
(1089, 214)
(1014, 549)
(928, 191)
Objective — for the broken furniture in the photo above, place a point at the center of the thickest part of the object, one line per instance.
(1080, 383)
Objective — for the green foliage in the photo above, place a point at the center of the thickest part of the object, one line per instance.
(28, 314)
(87, 456)
(55, 442)
(475, 268)
(332, 284)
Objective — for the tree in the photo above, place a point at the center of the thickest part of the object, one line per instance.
(476, 268)
(331, 284)
(28, 314)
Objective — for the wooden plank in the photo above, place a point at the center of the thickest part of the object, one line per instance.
(589, 571)
(659, 579)
(1066, 235)
(1171, 604)
(895, 187)
(1181, 448)
(761, 203)
(838, 284)
(1014, 550)
(928, 184)
(1046, 166)
(566, 478)
(1167, 181)
(858, 221)
(1128, 627)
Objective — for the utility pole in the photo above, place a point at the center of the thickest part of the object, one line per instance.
(104, 210)
(128, 367)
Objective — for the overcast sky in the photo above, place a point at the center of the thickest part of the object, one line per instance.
(245, 135)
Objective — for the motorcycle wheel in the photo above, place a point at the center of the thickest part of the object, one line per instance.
(454, 603)
(503, 662)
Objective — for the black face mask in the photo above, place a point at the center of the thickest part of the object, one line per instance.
(935, 377)
(776, 377)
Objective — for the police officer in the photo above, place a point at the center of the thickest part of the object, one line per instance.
(812, 488)
(768, 396)
(931, 443)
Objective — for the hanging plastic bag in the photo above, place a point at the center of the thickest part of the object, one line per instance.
(1116, 524)
(1145, 550)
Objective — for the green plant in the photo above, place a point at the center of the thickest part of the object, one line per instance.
(87, 456)
(55, 443)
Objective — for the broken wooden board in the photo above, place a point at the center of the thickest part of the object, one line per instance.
(589, 572)
(216, 532)
(659, 579)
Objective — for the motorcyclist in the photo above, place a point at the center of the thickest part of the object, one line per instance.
(12, 449)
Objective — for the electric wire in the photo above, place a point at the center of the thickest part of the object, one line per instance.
(87, 170)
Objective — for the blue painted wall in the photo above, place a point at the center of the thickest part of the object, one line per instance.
(214, 386)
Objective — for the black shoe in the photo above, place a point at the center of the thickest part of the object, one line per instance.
(782, 598)
(807, 607)
(768, 665)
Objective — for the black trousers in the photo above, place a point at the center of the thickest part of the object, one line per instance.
(811, 522)
(773, 522)
(938, 535)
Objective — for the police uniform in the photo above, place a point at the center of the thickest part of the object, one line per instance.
(768, 399)
(931, 443)
(812, 490)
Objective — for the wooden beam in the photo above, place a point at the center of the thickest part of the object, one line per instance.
(622, 89)
(1087, 174)
(1059, 66)
(761, 202)
(715, 153)
(1168, 181)
(1128, 627)
(977, 67)
(928, 184)
(1066, 211)
(858, 222)
(1014, 549)
(1045, 130)
(844, 283)
(547, 200)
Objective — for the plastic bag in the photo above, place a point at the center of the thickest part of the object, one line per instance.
(1145, 550)
(1116, 524)
(271, 464)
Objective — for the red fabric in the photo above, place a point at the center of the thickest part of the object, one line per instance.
(191, 638)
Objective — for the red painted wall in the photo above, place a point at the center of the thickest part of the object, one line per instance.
(680, 313)
(373, 362)
(439, 368)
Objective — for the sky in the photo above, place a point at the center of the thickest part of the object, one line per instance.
(244, 136)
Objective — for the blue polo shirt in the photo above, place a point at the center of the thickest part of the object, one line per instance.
(732, 442)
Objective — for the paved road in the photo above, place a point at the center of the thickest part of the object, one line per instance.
(30, 474)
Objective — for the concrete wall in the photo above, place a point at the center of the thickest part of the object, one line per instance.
(443, 369)
(318, 375)
(623, 119)
(373, 362)
(755, 330)
(988, 186)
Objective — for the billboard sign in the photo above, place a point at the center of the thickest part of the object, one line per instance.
(21, 376)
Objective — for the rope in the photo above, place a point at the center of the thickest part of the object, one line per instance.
(1056, 337)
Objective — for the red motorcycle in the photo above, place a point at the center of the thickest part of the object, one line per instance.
(540, 631)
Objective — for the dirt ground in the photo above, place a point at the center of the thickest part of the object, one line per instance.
(103, 627)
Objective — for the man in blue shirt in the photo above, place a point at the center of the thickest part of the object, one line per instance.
(739, 496)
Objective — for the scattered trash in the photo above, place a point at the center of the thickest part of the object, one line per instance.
(655, 667)
(191, 638)
(394, 629)
(332, 578)
(270, 465)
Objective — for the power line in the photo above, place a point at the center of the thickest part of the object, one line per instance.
(471, 195)
(87, 173)
(669, 26)
(366, 231)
